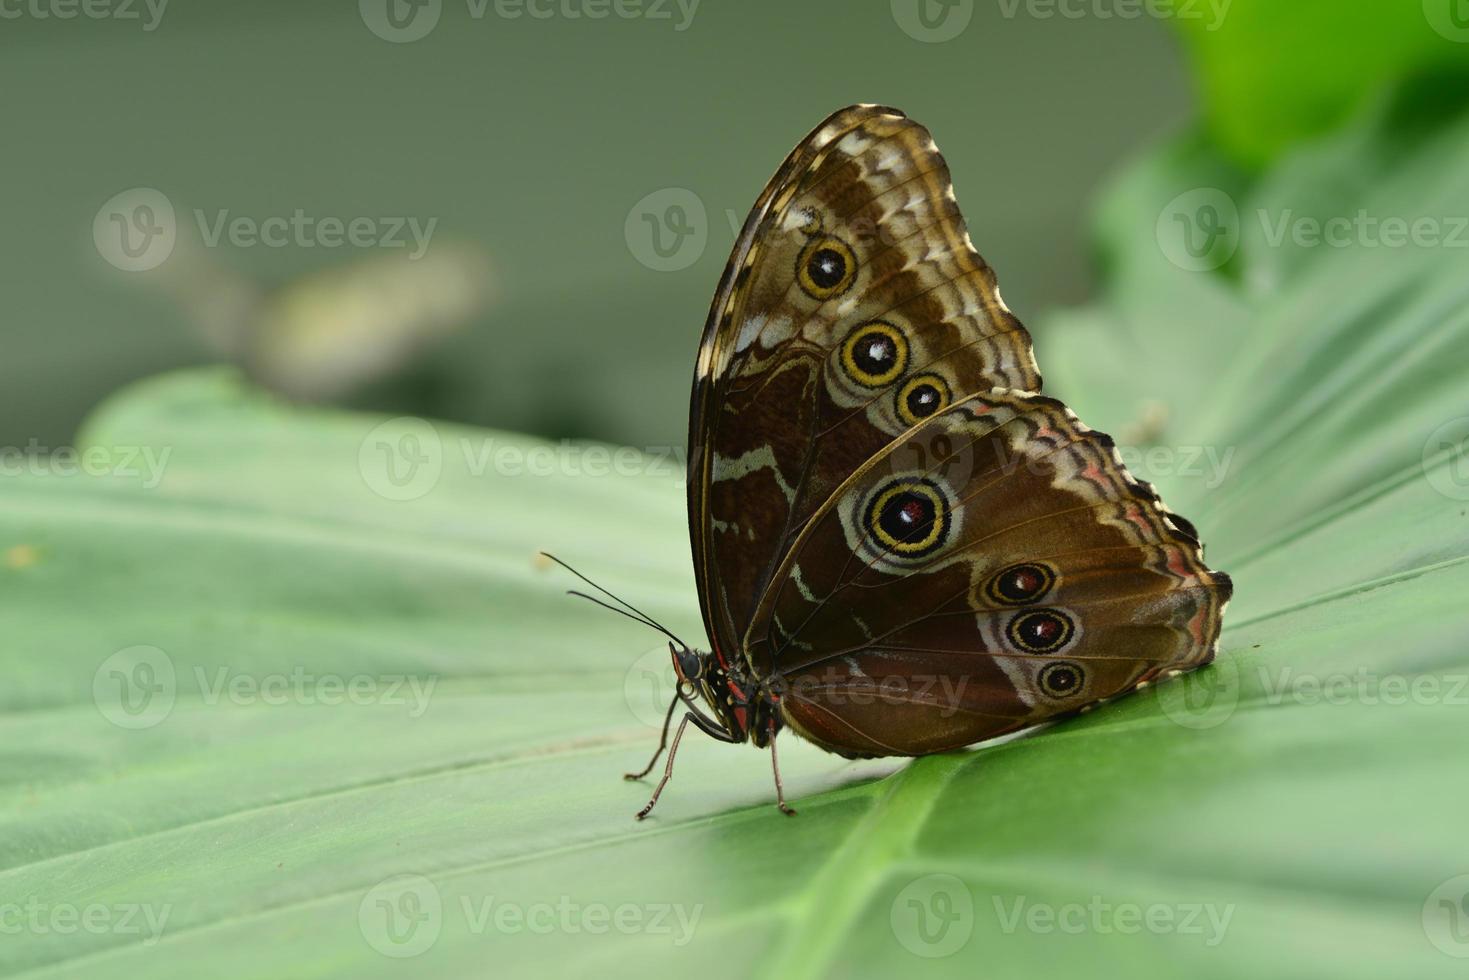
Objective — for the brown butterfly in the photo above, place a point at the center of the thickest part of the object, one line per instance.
(900, 547)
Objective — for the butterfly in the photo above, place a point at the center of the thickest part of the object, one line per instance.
(900, 546)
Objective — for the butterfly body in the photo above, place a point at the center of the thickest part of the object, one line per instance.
(901, 547)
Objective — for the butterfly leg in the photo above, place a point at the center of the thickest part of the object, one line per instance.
(704, 725)
(780, 793)
(662, 743)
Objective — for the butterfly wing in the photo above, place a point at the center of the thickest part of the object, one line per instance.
(853, 306)
(1016, 574)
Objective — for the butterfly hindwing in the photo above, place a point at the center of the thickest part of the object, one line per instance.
(1016, 574)
(853, 307)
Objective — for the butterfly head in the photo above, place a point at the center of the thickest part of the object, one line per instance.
(735, 698)
(689, 665)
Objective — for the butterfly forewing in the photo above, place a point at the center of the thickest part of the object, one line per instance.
(854, 306)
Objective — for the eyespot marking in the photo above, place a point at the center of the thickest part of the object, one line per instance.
(826, 267)
(909, 517)
(1061, 680)
(1040, 630)
(1021, 584)
(921, 397)
(875, 354)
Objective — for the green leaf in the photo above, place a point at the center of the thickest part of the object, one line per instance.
(1273, 73)
(209, 757)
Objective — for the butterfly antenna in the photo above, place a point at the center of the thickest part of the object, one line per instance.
(635, 614)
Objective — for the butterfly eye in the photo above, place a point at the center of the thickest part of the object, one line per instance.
(1041, 631)
(1062, 680)
(921, 397)
(1020, 584)
(875, 354)
(826, 267)
(910, 518)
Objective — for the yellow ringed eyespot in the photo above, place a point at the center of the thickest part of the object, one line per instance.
(1020, 584)
(1061, 680)
(875, 354)
(910, 518)
(922, 396)
(826, 267)
(1041, 631)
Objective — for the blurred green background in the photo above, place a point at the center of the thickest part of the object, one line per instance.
(531, 140)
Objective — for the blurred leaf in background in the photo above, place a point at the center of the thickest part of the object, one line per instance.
(329, 334)
(1273, 73)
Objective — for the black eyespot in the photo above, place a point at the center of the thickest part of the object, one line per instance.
(923, 400)
(1021, 584)
(1041, 631)
(922, 396)
(826, 267)
(1061, 680)
(875, 354)
(909, 517)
